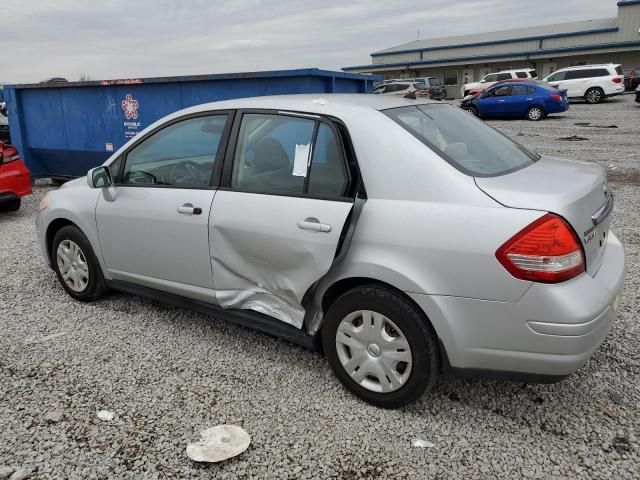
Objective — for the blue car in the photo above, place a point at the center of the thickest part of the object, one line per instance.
(532, 100)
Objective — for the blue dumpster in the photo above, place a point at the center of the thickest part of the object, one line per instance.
(63, 130)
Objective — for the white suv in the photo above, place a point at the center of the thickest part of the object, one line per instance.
(592, 82)
(492, 78)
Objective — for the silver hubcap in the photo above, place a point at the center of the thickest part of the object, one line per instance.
(373, 351)
(594, 96)
(535, 113)
(73, 266)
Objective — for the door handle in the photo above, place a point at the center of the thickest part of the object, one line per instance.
(188, 209)
(314, 224)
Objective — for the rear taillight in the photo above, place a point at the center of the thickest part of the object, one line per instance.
(9, 154)
(546, 251)
(617, 80)
(556, 97)
(430, 90)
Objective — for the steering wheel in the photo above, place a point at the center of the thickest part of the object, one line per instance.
(187, 172)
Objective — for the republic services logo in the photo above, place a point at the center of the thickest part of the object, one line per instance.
(130, 107)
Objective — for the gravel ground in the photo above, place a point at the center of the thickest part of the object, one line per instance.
(167, 374)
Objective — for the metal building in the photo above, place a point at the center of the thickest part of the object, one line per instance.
(466, 58)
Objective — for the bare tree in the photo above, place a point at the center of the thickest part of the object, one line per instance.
(84, 77)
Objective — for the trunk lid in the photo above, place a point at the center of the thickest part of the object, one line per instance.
(576, 191)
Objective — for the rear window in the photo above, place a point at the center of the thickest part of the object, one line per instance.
(465, 142)
(619, 70)
(533, 74)
(434, 82)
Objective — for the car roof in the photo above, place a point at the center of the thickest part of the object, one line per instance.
(599, 65)
(320, 103)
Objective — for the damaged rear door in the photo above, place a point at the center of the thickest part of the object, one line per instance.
(278, 216)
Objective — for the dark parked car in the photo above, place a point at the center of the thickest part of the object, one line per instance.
(631, 78)
(4, 126)
(638, 94)
(517, 99)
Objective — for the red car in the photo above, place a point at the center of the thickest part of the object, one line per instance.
(15, 179)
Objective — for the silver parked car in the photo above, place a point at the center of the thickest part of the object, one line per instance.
(404, 238)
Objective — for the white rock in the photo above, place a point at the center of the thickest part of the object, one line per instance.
(54, 416)
(20, 474)
(105, 415)
(219, 443)
(420, 443)
(5, 472)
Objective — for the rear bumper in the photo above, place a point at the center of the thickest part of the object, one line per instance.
(15, 180)
(550, 332)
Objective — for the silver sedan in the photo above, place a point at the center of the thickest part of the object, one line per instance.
(403, 238)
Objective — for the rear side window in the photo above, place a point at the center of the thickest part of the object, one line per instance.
(521, 74)
(396, 87)
(278, 154)
(465, 142)
(521, 90)
(597, 72)
(328, 175)
(533, 74)
(504, 76)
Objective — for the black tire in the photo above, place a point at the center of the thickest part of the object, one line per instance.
(535, 113)
(59, 181)
(412, 324)
(12, 205)
(594, 95)
(472, 110)
(96, 286)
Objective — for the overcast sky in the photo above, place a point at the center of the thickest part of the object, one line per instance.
(140, 38)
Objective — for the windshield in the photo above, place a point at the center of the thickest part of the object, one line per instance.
(462, 140)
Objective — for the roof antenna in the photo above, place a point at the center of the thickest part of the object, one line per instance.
(418, 34)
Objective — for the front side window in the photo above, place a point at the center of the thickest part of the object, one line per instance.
(558, 76)
(279, 154)
(180, 155)
(503, 91)
(464, 141)
(491, 78)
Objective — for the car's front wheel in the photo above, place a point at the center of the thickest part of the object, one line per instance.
(380, 346)
(594, 95)
(12, 205)
(535, 113)
(76, 265)
(471, 110)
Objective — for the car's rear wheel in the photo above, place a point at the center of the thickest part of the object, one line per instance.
(12, 205)
(76, 265)
(535, 113)
(594, 95)
(380, 346)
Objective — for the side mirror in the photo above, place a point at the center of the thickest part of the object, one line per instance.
(99, 177)
(483, 81)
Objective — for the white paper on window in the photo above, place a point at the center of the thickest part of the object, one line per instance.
(301, 160)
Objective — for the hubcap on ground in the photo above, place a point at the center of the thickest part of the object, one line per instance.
(373, 351)
(72, 265)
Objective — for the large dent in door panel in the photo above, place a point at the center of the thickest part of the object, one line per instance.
(276, 294)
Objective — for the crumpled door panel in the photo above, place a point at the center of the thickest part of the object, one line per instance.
(262, 260)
